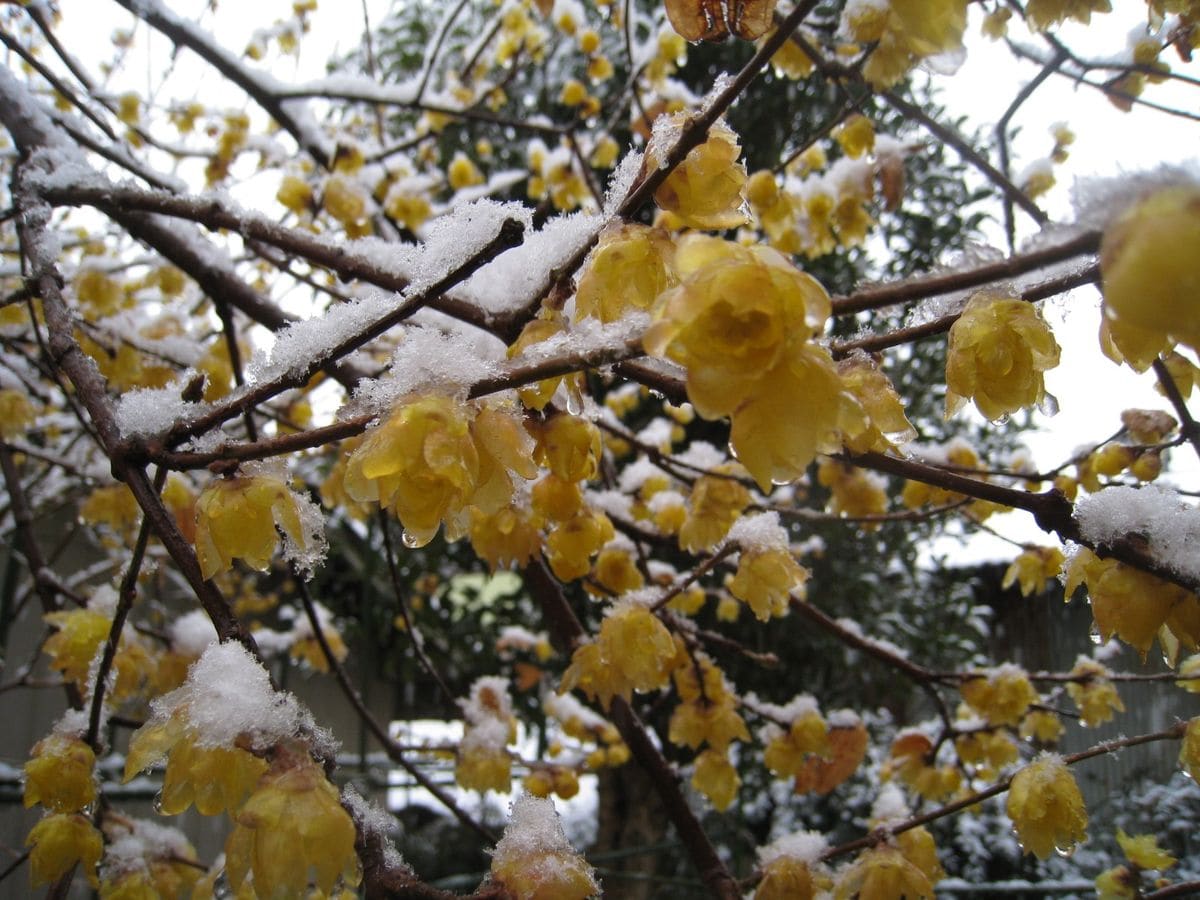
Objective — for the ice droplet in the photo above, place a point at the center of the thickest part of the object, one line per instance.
(1048, 405)
(1094, 635)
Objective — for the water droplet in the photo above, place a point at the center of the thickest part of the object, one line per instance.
(1094, 635)
(1048, 406)
(411, 541)
(157, 804)
(1065, 852)
(574, 401)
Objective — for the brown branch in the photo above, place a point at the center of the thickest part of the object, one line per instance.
(125, 598)
(875, 343)
(1175, 732)
(931, 286)
(256, 87)
(508, 236)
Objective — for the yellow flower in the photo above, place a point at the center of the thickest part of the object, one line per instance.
(1095, 696)
(538, 394)
(1147, 265)
(856, 136)
(1117, 883)
(1129, 603)
(787, 878)
(882, 874)
(738, 311)
(716, 778)
(1189, 750)
(60, 841)
(345, 200)
(1002, 697)
(799, 409)
(544, 868)
(1032, 569)
(714, 505)
(295, 194)
(1043, 14)
(215, 779)
(853, 491)
(74, 644)
(633, 652)
(1046, 807)
(627, 271)
(988, 751)
(1041, 725)
(59, 774)
(291, 833)
(998, 350)
(705, 190)
(433, 458)
(887, 425)
(507, 537)
(765, 579)
(571, 545)
(236, 519)
(707, 712)
(788, 751)
(16, 414)
(616, 571)
(909, 31)
(554, 499)
(1143, 851)
(569, 446)
(1190, 670)
(462, 172)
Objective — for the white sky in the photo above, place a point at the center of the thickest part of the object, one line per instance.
(1091, 390)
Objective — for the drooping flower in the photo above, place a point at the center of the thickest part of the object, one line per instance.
(58, 842)
(629, 268)
(1095, 695)
(716, 778)
(534, 860)
(60, 774)
(741, 322)
(1046, 807)
(1002, 696)
(881, 874)
(236, 518)
(705, 189)
(293, 833)
(998, 351)
(1147, 265)
(483, 762)
(633, 652)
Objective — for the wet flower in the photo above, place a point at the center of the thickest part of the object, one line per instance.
(1046, 807)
